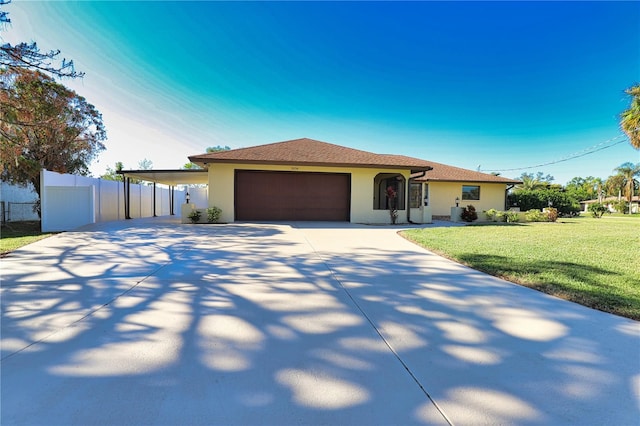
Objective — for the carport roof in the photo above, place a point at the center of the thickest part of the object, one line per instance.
(310, 152)
(169, 177)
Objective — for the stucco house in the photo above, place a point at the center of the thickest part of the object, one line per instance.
(610, 202)
(445, 186)
(310, 180)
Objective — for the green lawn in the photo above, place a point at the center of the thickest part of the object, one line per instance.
(594, 262)
(17, 234)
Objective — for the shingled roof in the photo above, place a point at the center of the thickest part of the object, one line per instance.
(310, 152)
(445, 173)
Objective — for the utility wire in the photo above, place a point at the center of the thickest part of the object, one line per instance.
(595, 148)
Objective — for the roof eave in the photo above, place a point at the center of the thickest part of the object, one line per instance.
(205, 162)
(506, 182)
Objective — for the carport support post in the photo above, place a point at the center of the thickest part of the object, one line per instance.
(127, 198)
(154, 200)
(407, 200)
(171, 197)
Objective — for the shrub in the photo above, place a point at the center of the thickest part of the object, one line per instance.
(495, 215)
(194, 216)
(598, 209)
(621, 206)
(512, 216)
(551, 214)
(213, 214)
(535, 215)
(539, 199)
(469, 214)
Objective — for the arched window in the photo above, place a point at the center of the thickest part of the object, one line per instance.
(381, 182)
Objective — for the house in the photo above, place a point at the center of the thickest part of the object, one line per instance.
(610, 203)
(445, 186)
(309, 180)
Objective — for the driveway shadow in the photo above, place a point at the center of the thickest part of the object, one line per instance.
(488, 351)
(162, 323)
(235, 324)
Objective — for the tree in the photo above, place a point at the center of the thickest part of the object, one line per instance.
(194, 166)
(112, 174)
(577, 188)
(588, 188)
(598, 185)
(629, 172)
(44, 125)
(614, 185)
(28, 55)
(145, 164)
(191, 166)
(630, 118)
(539, 181)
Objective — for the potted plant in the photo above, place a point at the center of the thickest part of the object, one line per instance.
(194, 216)
(469, 214)
(213, 214)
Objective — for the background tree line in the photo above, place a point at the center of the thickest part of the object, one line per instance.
(538, 191)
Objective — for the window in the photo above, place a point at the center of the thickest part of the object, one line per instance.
(415, 195)
(470, 192)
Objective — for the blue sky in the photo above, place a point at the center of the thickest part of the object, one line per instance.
(498, 85)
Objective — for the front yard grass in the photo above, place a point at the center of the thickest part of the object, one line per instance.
(17, 234)
(594, 262)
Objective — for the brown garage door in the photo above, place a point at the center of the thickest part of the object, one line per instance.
(264, 195)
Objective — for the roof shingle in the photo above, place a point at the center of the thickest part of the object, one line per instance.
(446, 173)
(308, 151)
(312, 152)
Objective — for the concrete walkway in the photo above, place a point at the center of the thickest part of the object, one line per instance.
(149, 322)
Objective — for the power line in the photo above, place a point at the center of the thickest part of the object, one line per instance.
(595, 148)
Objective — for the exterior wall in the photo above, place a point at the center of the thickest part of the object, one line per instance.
(221, 189)
(422, 214)
(442, 197)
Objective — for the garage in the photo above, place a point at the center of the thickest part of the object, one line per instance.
(299, 196)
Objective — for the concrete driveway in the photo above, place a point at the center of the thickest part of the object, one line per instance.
(149, 322)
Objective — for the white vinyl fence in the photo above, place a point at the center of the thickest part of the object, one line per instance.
(199, 196)
(69, 201)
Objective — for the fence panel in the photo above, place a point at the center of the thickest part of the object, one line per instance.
(18, 202)
(19, 212)
(199, 197)
(146, 201)
(108, 200)
(67, 207)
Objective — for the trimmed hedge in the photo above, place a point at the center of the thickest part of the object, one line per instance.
(539, 199)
